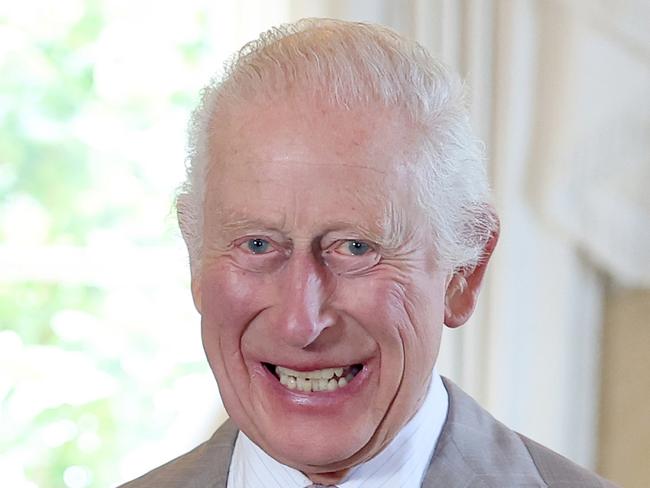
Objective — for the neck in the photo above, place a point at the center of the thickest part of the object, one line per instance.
(327, 478)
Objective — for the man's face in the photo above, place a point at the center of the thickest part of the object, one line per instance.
(315, 259)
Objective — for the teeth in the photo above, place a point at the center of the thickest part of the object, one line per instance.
(318, 380)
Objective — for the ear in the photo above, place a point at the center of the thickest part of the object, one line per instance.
(187, 223)
(464, 287)
(196, 293)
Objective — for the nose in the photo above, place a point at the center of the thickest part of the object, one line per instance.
(304, 291)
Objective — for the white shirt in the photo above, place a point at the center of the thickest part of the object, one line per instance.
(402, 463)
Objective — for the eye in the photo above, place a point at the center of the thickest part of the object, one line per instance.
(356, 248)
(258, 246)
(351, 256)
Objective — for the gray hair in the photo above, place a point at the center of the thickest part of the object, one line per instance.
(358, 64)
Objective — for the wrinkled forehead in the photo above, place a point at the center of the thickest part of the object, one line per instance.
(300, 157)
(371, 141)
(371, 134)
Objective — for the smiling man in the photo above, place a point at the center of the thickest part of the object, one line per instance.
(337, 216)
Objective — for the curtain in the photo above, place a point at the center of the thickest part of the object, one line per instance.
(558, 91)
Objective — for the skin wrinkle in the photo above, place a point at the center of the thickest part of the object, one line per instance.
(390, 237)
(391, 233)
(220, 359)
(393, 229)
(303, 301)
(354, 66)
(380, 439)
(321, 132)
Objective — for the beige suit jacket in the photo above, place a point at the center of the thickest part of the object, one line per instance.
(474, 450)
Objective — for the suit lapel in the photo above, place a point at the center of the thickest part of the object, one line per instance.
(447, 468)
(220, 448)
(474, 450)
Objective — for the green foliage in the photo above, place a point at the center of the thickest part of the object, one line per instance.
(29, 308)
(45, 83)
(73, 173)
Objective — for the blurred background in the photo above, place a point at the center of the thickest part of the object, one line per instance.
(102, 374)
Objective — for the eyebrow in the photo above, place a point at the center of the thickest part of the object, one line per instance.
(389, 233)
(234, 221)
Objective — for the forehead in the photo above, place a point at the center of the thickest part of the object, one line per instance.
(304, 159)
(372, 136)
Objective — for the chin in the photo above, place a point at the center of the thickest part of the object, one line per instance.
(322, 431)
(311, 449)
(310, 429)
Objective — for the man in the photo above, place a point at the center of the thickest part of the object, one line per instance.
(337, 214)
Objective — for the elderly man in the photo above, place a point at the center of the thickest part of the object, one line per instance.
(336, 215)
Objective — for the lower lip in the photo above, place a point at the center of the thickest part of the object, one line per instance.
(316, 401)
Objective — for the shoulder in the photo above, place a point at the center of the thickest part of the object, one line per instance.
(205, 466)
(558, 471)
(476, 450)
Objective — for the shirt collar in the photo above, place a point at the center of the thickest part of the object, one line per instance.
(403, 462)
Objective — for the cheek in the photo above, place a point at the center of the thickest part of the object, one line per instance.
(405, 319)
(375, 305)
(387, 308)
(231, 297)
(424, 305)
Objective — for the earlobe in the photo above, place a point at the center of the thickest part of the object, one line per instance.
(196, 293)
(460, 299)
(464, 287)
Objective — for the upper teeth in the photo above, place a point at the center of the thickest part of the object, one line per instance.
(316, 374)
(317, 380)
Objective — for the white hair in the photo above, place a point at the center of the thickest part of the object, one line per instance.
(355, 64)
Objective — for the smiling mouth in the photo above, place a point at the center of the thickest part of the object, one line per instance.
(328, 379)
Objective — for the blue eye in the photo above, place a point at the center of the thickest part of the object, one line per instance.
(258, 246)
(358, 248)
